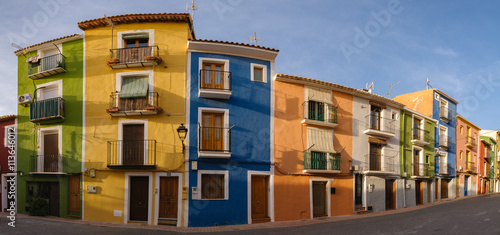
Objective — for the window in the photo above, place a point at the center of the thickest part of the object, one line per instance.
(135, 40)
(316, 110)
(258, 73)
(416, 128)
(212, 75)
(443, 109)
(50, 149)
(214, 184)
(394, 116)
(375, 117)
(134, 91)
(49, 90)
(214, 134)
(375, 157)
(6, 134)
(461, 129)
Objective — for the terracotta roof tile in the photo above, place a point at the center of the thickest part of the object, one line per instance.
(136, 18)
(39, 44)
(7, 117)
(235, 43)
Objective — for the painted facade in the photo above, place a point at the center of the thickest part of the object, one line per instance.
(376, 157)
(437, 105)
(494, 158)
(417, 157)
(484, 160)
(467, 145)
(135, 99)
(230, 141)
(313, 149)
(49, 133)
(7, 159)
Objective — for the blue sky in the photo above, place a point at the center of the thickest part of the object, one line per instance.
(454, 44)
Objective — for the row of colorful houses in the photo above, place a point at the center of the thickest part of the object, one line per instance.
(137, 121)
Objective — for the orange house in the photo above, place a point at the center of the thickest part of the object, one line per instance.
(313, 149)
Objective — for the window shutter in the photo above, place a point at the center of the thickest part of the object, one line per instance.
(135, 36)
(134, 87)
(322, 139)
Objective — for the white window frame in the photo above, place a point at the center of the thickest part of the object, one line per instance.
(446, 105)
(202, 154)
(202, 60)
(328, 196)
(145, 73)
(127, 194)
(441, 127)
(211, 172)
(49, 85)
(421, 159)
(264, 72)
(120, 35)
(120, 137)
(42, 132)
(6, 134)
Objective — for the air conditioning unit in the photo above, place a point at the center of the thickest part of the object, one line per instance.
(461, 168)
(24, 99)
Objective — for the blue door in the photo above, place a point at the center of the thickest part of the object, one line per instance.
(466, 183)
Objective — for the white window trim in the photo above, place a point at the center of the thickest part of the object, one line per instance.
(127, 194)
(55, 84)
(120, 137)
(6, 134)
(264, 72)
(210, 172)
(42, 132)
(42, 52)
(270, 195)
(151, 33)
(179, 195)
(328, 196)
(145, 73)
(202, 60)
(226, 134)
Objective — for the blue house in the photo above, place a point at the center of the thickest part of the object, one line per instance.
(229, 143)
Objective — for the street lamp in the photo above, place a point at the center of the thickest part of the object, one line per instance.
(182, 131)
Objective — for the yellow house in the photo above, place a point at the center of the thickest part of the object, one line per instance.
(135, 94)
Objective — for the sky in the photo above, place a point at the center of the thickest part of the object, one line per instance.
(392, 43)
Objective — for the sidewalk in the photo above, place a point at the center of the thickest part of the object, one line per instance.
(244, 226)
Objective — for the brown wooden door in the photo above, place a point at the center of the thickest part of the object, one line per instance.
(169, 195)
(389, 194)
(213, 76)
(444, 188)
(212, 132)
(260, 186)
(319, 199)
(418, 192)
(139, 191)
(74, 193)
(375, 157)
(50, 152)
(133, 144)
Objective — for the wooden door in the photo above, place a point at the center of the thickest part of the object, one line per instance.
(74, 193)
(429, 186)
(358, 191)
(50, 152)
(466, 185)
(169, 195)
(319, 199)
(260, 188)
(139, 191)
(50, 191)
(390, 198)
(416, 163)
(436, 189)
(419, 197)
(213, 76)
(212, 132)
(133, 144)
(444, 188)
(375, 157)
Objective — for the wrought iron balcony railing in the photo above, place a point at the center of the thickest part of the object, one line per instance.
(379, 162)
(46, 66)
(470, 167)
(147, 105)
(471, 141)
(445, 141)
(45, 110)
(422, 170)
(421, 134)
(445, 113)
(216, 80)
(215, 139)
(132, 154)
(135, 57)
(378, 123)
(46, 164)
(321, 161)
(319, 111)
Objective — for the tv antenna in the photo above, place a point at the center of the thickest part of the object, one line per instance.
(192, 8)
(254, 39)
(370, 87)
(390, 88)
(25, 50)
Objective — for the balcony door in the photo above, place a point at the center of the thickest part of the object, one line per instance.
(212, 131)
(375, 117)
(133, 144)
(375, 157)
(50, 152)
(213, 76)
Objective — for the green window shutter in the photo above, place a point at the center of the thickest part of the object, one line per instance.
(135, 36)
(134, 87)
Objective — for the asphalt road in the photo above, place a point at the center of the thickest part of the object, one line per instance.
(477, 215)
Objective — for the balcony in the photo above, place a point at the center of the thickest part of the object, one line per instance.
(487, 155)
(46, 164)
(134, 57)
(379, 126)
(379, 164)
(47, 111)
(214, 142)
(470, 167)
(47, 66)
(214, 84)
(422, 170)
(445, 141)
(470, 142)
(121, 106)
(445, 114)
(320, 114)
(319, 162)
(420, 137)
(132, 154)
(444, 168)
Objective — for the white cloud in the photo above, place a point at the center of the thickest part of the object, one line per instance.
(445, 52)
